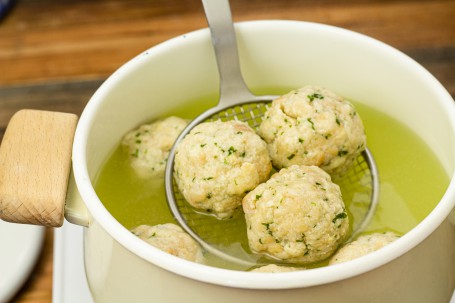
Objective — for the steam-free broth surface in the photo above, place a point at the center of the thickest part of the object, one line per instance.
(412, 181)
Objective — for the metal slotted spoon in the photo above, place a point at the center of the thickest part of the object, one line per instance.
(236, 102)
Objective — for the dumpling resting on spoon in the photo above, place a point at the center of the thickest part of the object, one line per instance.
(313, 126)
(217, 163)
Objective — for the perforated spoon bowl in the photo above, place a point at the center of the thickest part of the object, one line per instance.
(237, 102)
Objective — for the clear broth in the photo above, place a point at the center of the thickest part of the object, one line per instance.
(412, 181)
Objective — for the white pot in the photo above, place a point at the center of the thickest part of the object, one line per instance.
(419, 267)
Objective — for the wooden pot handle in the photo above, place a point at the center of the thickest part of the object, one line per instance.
(35, 163)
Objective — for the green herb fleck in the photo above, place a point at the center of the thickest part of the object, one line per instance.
(315, 96)
(231, 150)
(202, 145)
(267, 225)
(339, 216)
(291, 156)
(311, 122)
(342, 153)
(337, 121)
(301, 140)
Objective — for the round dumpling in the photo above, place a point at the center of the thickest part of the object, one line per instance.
(361, 246)
(297, 216)
(148, 146)
(313, 126)
(172, 239)
(217, 163)
(273, 268)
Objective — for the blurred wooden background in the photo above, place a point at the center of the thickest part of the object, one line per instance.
(54, 54)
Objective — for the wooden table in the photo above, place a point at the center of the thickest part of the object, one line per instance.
(54, 54)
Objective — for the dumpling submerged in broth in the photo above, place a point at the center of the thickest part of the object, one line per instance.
(363, 245)
(172, 239)
(273, 268)
(148, 146)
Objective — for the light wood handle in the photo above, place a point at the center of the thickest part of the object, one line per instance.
(35, 162)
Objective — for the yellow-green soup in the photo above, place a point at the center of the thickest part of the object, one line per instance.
(412, 181)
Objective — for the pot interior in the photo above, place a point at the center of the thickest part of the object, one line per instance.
(276, 56)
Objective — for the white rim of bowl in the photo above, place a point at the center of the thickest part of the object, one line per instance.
(254, 280)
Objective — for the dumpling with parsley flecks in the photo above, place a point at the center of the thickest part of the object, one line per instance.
(148, 146)
(313, 126)
(361, 246)
(297, 216)
(273, 268)
(217, 163)
(172, 239)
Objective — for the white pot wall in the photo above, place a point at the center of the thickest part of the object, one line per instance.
(410, 278)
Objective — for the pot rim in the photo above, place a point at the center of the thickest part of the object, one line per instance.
(240, 279)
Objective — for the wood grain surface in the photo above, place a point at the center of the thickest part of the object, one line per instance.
(35, 164)
(54, 54)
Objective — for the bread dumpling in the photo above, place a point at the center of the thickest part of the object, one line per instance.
(297, 216)
(313, 126)
(217, 163)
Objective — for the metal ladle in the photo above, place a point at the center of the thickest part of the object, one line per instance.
(237, 102)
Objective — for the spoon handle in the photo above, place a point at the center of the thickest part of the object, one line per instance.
(232, 85)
